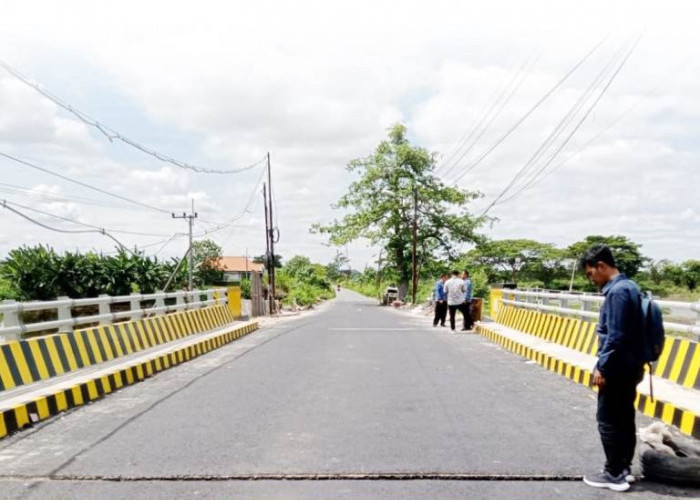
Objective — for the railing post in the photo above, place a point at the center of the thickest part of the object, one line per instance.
(210, 295)
(11, 318)
(160, 302)
(179, 300)
(135, 306)
(104, 308)
(64, 312)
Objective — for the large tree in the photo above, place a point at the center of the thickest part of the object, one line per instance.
(513, 256)
(628, 258)
(396, 186)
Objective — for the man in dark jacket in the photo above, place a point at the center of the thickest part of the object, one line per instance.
(440, 301)
(619, 369)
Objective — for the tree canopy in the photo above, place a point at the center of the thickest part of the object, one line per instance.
(397, 184)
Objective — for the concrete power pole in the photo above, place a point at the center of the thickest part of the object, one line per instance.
(414, 287)
(271, 233)
(190, 254)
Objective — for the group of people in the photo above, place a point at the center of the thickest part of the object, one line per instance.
(453, 294)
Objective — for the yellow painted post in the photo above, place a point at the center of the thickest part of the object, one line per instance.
(234, 300)
(496, 297)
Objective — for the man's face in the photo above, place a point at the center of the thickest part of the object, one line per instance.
(465, 276)
(443, 278)
(597, 274)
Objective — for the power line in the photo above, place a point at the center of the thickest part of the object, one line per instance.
(33, 193)
(84, 224)
(81, 183)
(503, 94)
(561, 125)
(67, 231)
(578, 125)
(112, 134)
(528, 113)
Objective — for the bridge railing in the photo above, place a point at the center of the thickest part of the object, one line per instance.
(14, 325)
(585, 305)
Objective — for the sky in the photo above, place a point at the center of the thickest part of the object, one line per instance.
(316, 84)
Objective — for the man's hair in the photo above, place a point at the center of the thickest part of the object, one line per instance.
(597, 253)
(455, 273)
(444, 274)
(466, 272)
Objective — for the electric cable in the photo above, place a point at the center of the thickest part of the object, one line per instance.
(112, 134)
(67, 231)
(506, 93)
(581, 121)
(529, 112)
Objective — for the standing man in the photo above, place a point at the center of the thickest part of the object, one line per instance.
(468, 300)
(619, 368)
(440, 301)
(455, 289)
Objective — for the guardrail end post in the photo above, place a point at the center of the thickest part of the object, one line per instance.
(11, 318)
(64, 312)
(135, 306)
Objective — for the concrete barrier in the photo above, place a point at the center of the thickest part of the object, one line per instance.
(27, 361)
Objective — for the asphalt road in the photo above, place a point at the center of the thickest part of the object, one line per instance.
(352, 401)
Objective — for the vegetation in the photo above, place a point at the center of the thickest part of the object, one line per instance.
(303, 283)
(397, 187)
(41, 273)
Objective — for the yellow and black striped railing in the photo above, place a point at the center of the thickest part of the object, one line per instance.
(27, 361)
(679, 362)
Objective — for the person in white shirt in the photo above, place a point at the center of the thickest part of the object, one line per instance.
(455, 290)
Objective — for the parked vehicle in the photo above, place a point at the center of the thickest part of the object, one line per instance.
(390, 295)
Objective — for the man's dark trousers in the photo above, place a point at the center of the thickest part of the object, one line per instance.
(616, 419)
(463, 308)
(440, 312)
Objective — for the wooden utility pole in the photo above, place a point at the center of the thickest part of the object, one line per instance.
(413, 246)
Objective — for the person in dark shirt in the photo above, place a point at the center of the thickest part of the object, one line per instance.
(619, 369)
(440, 301)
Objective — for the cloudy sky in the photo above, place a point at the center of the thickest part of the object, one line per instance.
(219, 84)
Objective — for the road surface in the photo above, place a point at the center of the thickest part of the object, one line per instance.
(353, 401)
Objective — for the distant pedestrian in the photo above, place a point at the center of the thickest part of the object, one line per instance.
(440, 301)
(619, 369)
(455, 290)
(468, 299)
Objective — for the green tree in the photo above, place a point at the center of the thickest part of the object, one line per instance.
(628, 257)
(513, 255)
(691, 273)
(207, 262)
(262, 259)
(396, 186)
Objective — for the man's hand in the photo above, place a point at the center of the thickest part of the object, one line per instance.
(598, 379)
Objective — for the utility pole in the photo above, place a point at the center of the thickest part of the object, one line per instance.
(267, 250)
(413, 245)
(379, 274)
(271, 234)
(190, 220)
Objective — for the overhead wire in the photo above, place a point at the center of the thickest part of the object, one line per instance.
(564, 122)
(81, 183)
(578, 124)
(503, 99)
(55, 197)
(66, 231)
(85, 224)
(112, 134)
(519, 122)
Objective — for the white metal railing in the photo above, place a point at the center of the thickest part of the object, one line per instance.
(13, 327)
(587, 305)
